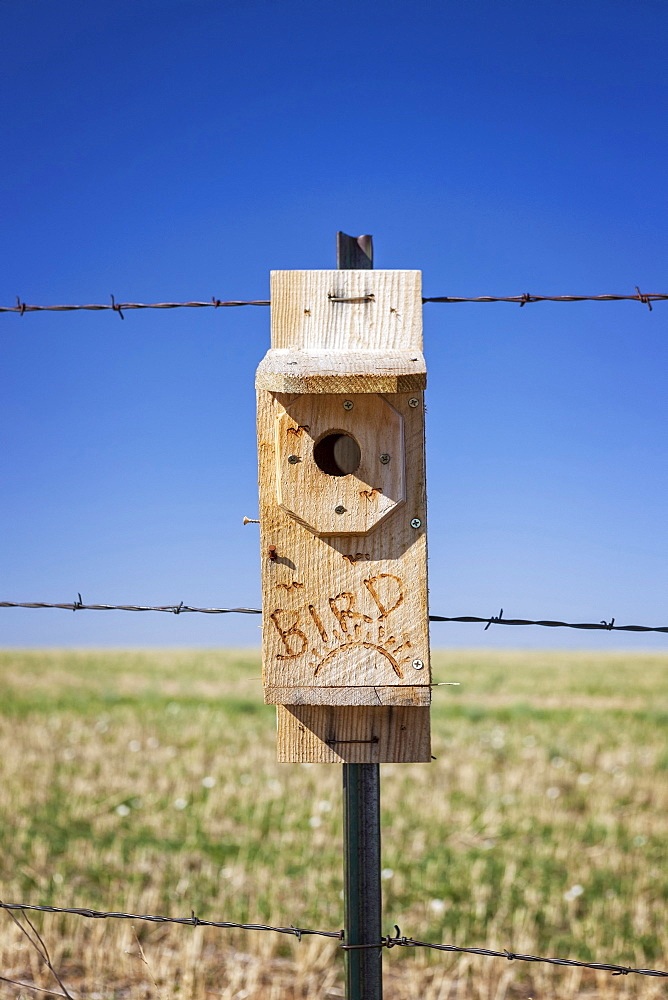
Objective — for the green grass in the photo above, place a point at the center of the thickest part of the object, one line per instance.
(147, 782)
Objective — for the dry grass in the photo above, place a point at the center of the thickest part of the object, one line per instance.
(147, 782)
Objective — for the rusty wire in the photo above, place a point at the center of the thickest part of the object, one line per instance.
(646, 298)
(526, 298)
(178, 609)
(390, 941)
(121, 307)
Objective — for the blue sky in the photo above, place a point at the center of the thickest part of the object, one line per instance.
(180, 150)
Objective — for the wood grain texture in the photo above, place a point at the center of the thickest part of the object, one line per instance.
(320, 734)
(306, 315)
(333, 504)
(343, 611)
(372, 696)
(312, 371)
(344, 571)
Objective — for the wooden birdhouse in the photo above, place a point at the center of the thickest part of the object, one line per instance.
(343, 516)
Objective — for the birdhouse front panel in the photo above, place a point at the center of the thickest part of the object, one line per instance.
(340, 461)
(342, 493)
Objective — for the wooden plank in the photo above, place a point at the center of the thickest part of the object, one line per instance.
(335, 735)
(343, 531)
(310, 480)
(374, 696)
(312, 371)
(346, 310)
(347, 610)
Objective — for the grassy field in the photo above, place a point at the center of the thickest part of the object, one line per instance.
(146, 782)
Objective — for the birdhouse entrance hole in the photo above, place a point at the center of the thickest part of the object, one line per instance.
(337, 454)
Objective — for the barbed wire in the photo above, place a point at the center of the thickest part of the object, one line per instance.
(397, 940)
(121, 307)
(179, 609)
(174, 609)
(646, 298)
(526, 298)
(603, 626)
(191, 921)
(390, 941)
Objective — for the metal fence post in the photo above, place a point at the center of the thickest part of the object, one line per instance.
(361, 801)
(362, 895)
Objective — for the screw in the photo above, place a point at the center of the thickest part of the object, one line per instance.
(293, 459)
(348, 404)
(418, 664)
(413, 401)
(384, 459)
(339, 510)
(416, 523)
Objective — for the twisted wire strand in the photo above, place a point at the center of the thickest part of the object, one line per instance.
(391, 941)
(178, 609)
(646, 298)
(121, 307)
(398, 940)
(174, 609)
(526, 298)
(191, 921)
